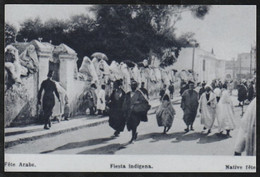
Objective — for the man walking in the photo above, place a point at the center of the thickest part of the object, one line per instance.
(135, 109)
(189, 105)
(48, 100)
(202, 89)
(207, 108)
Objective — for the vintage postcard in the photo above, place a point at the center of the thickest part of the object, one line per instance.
(130, 88)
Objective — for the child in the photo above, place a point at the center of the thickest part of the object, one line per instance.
(66, 109)
(165, 114)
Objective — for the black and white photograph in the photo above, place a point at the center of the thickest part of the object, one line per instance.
(130, 88)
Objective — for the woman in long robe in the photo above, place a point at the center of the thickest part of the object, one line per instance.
(116, 118)
(88, 68)
(225, 112)
(165, 114)
(207, 107)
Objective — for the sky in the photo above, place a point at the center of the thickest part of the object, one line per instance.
(229, 29)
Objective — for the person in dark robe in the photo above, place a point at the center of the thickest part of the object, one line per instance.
(165, 114)
(48, 100)
(144, 90)
(171, 90)
(242, 94)
(202, 89)
(184, 87)
(220, 85)
(189, 105)
(162, 91)
(135, 109)
(251, 91)
(116, 118)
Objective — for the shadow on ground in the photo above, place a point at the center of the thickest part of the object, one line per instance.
(75, 145)
(108, 149)
(201, 136)
(159, 136)
(212, 138)
(155, 137)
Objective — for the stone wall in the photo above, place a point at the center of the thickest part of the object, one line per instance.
(21, 102)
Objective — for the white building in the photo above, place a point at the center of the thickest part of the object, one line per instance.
(206, 64)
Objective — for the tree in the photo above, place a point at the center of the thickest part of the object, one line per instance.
(123, 32)
(30, 29)
(10, 34)
(133, 31)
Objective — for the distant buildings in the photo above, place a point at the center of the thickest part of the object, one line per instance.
(243, 67)
(205, 65)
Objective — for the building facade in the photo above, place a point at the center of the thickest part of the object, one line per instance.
(205, 64)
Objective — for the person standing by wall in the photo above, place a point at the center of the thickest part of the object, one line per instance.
(101, 100)
(48, 100)
(91, 99)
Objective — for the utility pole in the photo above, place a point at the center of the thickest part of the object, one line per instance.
(193, 54)
(233, 68)
(240, 69)
(251, 62)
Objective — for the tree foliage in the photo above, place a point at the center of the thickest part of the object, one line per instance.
(10, 34)
(122, 32)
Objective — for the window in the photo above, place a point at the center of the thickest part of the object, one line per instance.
(203, 65)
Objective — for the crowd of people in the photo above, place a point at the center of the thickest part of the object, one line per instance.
(128, 109)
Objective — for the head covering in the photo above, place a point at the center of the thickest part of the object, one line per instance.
(118, 82)
(203, 83)
(208, 86)
(93, 85)
(224, 86)
(243, 81)
(166, 97)
(133, 82)
(50, 73)
(190, 82)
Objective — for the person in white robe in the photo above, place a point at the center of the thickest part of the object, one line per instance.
(101, 101)
(207, 108)
(115, 72)
(14, 67)
(126, 77)
(88, 68)
(246, 139)
(225, 112)
(217, 92)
